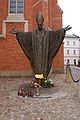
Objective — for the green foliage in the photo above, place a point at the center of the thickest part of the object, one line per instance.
(79, 62)
(48, 83)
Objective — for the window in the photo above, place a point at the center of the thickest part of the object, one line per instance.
(67, 52)
(75, 62)
(67, 42)
(16, 6)
(68, 61)
(74, 43)
(74, 52)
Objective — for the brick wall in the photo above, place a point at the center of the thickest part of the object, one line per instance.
(3, 12)
(28, 13)
(55, 22)
(12, 57)
(36, 7)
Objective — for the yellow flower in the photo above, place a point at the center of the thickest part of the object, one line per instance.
(35, 86)
(32, 82)
(36, 76)
(40, 76)
(45, 81)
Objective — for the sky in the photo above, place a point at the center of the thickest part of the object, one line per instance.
(71, 15)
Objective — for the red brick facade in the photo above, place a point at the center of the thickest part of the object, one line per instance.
(11, 55)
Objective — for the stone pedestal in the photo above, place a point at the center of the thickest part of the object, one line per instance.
(78, 90)
(68, 75)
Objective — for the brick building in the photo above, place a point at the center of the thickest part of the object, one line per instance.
(21, 14)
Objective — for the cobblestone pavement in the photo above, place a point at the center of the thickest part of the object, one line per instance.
(64, 104)
(75, 72)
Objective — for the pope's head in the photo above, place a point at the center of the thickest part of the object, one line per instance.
(40, 20)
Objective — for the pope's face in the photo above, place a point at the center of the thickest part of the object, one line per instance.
(40, 26)
(40, 20)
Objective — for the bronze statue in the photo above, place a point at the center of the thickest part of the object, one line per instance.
(41, 45)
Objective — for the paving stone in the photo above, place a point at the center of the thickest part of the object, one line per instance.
(57, 103)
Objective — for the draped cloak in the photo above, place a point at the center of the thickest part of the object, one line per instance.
(41, 47)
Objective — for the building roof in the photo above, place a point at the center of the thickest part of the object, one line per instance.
(71, 36)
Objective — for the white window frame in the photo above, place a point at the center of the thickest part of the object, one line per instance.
(74, 43)
(74, 53)
(14, 18)
(68, 60)
(68, 52)
(68, 43)
(16, 9)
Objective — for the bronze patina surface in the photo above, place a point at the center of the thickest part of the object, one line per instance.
(41, 45)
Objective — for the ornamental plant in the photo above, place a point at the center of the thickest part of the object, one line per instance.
(48, 83)
(79, 62)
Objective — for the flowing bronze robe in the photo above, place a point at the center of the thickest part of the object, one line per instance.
(40, 48)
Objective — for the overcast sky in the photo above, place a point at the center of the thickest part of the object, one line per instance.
(71, 15)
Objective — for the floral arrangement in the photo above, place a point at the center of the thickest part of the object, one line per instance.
(48, 83)
(33, 88)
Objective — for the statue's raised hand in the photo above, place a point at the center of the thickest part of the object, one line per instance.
(67, 28)
(13, 31)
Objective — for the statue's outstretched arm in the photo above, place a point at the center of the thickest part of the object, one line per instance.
(13, 31)
(67, 28)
